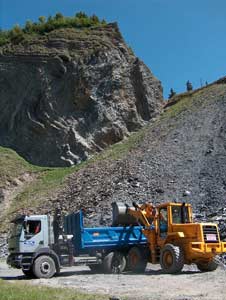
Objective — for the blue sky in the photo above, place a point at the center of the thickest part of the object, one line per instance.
(178, 40)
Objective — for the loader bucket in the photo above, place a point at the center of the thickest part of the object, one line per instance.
(120, 217)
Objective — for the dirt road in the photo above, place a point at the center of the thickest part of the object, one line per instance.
(190, 284)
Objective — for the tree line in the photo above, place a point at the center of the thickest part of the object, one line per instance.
(44, 25)
(189, 87)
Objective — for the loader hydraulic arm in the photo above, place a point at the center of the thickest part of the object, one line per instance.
(144, 213)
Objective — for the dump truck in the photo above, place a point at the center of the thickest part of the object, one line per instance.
(41, 245)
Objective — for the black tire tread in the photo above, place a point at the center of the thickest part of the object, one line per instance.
(207, 267)
(178, 259)
(36, 267)
(109, 259)
(142, 262)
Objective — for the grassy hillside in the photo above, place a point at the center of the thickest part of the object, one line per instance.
(40, 184)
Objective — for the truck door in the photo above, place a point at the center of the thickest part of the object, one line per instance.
(33, 237)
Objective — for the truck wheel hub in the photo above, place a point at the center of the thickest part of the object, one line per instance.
(45, 267)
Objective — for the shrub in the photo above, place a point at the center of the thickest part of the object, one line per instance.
(79, 20)
(4, 37)
(16, 35)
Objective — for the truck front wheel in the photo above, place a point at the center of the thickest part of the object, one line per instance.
(207, 266)
(44, 267)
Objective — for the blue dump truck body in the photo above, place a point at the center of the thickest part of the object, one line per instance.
(88, 240)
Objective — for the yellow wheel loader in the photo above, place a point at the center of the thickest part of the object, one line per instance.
(173, 238)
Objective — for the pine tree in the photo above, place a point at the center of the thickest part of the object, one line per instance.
(172, 93)
(189, 86)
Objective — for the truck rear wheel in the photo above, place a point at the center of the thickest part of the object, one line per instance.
(171, 259)
(114, 262)
(207, 266)
(136, 260)
(44, 267)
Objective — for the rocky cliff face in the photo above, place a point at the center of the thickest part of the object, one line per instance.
(69, 94)
(182, 157)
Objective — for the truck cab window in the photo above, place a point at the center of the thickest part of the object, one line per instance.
(31, 228)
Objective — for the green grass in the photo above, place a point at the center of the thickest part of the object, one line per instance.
(45, 181)
(11, 166)
(21, 291)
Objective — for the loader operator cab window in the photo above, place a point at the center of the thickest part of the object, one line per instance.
(180, 214)
(163, 221)
(31, 228)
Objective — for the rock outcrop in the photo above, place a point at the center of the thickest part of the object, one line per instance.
(182, 157)
(70, 93)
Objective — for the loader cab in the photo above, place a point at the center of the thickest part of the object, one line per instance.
(170, 214)
(180, 213)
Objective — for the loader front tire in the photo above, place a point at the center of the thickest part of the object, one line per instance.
(171, 259)
(44, 267)
(114, 262)
(207, 266)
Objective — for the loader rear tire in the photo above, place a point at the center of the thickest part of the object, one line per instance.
(136, 260)
(171, 259)
(207, 267)
(44, 267)
(114, 262)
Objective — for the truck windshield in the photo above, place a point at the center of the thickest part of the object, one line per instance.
(16, 229)
(31, 228)
(180, 214)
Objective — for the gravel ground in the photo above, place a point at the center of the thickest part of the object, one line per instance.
(190, 284)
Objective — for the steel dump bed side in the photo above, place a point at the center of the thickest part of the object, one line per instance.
(87, 239)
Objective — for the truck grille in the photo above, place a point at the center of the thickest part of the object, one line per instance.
(210, 234)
